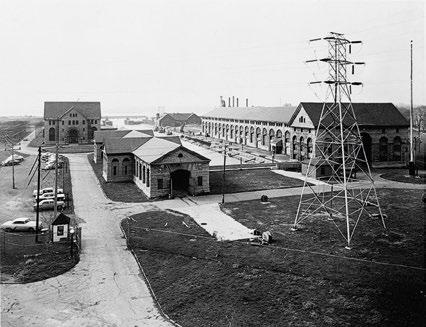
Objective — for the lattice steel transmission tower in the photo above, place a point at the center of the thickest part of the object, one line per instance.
(344, 199)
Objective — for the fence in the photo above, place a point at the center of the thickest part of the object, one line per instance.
(25, 245)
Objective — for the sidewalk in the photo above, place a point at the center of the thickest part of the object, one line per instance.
(216, 222)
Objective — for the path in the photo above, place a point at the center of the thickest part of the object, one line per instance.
(104, 289)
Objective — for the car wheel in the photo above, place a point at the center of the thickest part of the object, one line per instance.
(8, 229)
(31, 230)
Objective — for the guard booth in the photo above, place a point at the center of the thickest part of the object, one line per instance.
(61, 228)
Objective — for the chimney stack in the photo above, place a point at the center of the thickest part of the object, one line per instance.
(233, 101)
(221, 101)
(229, 101)
(237, 102)
(246, 102)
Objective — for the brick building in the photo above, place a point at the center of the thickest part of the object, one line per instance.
(71, 122)
(258, 127)
(159, 166)
(384, 132)
(100, 136)
(290, 131)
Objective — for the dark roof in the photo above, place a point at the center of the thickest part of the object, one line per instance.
(115, 145)
(367, 114)
(275, 114)
(61, 219)
(100, 136)
(179, 116)
(91, 110)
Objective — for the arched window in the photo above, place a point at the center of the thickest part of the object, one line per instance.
(143, 175)
(287, 142)
(302, 148)
(223, 130)
(125, 166)
(264, 133)
(251, 134)
(258, 134)
(147, 177)
(51, 134)
(114, 164)
(383, 149)
(310, 147)
(295, 149)
(279, 134)
(397, 148)
(231, 132)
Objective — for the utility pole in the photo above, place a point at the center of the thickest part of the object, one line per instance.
(55, 208)
(38, 193)
(411, 166)
(13, 165)
(223, 175)
(340, 148)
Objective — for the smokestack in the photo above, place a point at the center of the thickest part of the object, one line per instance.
(233, 101)
(229, 101)
(246, 102)
(221, 101)
(237, 102)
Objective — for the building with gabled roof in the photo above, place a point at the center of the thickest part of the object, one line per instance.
(290, 131)
(159, 166)
(71, 122)
(100, 136)
(177, 119)
(383, 129)
(258, 127)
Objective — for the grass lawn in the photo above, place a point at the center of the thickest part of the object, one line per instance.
(250, 180)
(201, 282)
(122, 192)
(401, 175)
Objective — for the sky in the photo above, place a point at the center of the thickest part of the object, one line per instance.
(182, 55)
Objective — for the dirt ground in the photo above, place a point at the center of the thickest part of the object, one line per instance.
(304, 278)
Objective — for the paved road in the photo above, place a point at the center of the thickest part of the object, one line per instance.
(104, 289)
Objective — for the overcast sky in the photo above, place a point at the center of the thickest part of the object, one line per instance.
(135, 56)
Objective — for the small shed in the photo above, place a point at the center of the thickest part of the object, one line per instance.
(61, 228)
(319, 168)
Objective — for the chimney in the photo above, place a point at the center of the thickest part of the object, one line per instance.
(237, 102)
(229, 101)
(233, 101)
(246, 102)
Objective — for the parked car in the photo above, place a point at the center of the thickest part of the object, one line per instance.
(21, 225)
(48, 190)
(45, 196)
(51, 165)
(49, 204)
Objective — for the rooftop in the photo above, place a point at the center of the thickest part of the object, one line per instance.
(54, 110)
(274, 114)
(367, 114)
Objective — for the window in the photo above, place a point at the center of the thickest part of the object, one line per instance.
(397, 130)
(60, 231)
(96, 121)
(114, 170)
(62, 122)
(200, 180)
(160, 183)
(69, 122)
(84, 122)
(147, 177)
(143, 175)
(76, 122)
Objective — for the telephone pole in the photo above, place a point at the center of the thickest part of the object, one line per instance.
(338, 144)
(38, 194)
(55, 207)
(411, 165)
